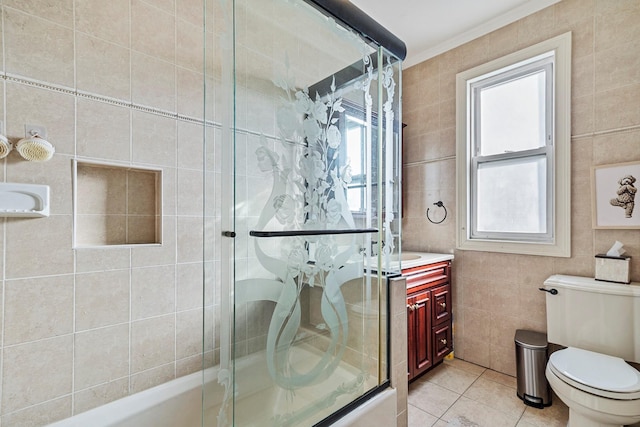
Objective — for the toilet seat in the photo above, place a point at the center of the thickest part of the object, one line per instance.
(596, 373)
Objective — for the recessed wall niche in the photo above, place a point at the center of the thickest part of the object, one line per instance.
(116, 205)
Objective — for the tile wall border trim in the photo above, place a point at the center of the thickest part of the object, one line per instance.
(122, 103)
(106, 99)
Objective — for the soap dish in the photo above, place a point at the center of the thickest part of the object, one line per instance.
(24, 200)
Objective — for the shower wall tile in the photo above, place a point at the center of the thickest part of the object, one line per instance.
(153, 31)
(153, 342)
(190, 145)
(169, 191)
(189, 333)
(168, 6)
(53, 110)
(60, 12)
(153, 291)
(192, 11)
(190, 93)
(37, 48)
(189, 239)
(152, 377)
(47, 363)
(100, 356)
(44, 247)
(190, 192)
(153, 82)
(100, 395)
(153, 139)
(102, 299)
(190, 45)
(99, 259)
(102, 67)
(109, 21)
(192, 364)
(107, 138)
(39, 415)
(189, 286)
(165, 254)
(38, 308)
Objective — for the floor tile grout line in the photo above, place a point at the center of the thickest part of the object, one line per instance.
(463, 394)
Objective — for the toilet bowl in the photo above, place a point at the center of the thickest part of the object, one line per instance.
(595, 321)
(600, 390)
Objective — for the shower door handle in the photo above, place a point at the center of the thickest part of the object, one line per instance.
(231, 234)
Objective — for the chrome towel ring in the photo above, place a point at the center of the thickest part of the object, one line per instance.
(440, 205)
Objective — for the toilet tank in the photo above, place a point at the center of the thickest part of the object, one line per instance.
(594, 315)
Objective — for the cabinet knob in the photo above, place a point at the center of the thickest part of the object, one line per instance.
(412, 306)
(443, 305)
(443, 341)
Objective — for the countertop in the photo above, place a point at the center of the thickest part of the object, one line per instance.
(410, 259)
(416, 259)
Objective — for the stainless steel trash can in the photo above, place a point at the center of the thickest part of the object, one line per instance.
(531, 361)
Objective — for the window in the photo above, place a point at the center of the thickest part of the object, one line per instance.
(355, 151)
(513, 152)
(358, 156)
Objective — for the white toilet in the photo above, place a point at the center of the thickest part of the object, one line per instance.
(599, 323)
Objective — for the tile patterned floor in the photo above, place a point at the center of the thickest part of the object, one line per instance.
(460, 394)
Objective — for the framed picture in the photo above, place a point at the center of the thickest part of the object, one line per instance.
(614, 195)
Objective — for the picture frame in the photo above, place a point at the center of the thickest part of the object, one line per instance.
(614, 196)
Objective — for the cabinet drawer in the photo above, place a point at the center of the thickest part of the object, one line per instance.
(426, 279)
(442, 344)
(441, 304)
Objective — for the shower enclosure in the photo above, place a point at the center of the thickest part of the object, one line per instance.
(301, 211)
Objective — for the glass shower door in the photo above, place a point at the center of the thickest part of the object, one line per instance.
(308, 139)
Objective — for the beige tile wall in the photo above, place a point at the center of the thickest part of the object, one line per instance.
(495, 294)
(84, 327)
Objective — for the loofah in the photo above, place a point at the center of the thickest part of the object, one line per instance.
(5, 147)
(35, 149)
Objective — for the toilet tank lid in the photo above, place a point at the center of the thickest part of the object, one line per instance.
(531, 339)
(590, 284)
(610, 373)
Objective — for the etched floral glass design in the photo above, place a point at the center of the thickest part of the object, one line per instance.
(309, 309)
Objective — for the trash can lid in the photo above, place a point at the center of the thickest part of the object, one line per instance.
(531, 339)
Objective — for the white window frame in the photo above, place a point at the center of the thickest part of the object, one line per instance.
(557, 242)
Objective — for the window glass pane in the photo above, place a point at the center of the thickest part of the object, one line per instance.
(355, 148)
(354, 199)
(512, 115)
(512, 196)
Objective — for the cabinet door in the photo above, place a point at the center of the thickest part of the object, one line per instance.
(441, 341)
(420, 350)
(411, 338)
(441, 303)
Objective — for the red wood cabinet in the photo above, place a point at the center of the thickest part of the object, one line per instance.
(428, 316)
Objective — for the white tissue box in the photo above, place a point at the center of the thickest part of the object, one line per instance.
(613, 268)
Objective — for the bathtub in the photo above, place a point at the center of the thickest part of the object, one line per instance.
(178, 403)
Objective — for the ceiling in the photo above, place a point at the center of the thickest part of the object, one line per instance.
(431, 27)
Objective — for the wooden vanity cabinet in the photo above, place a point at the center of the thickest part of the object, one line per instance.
(428, 316)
